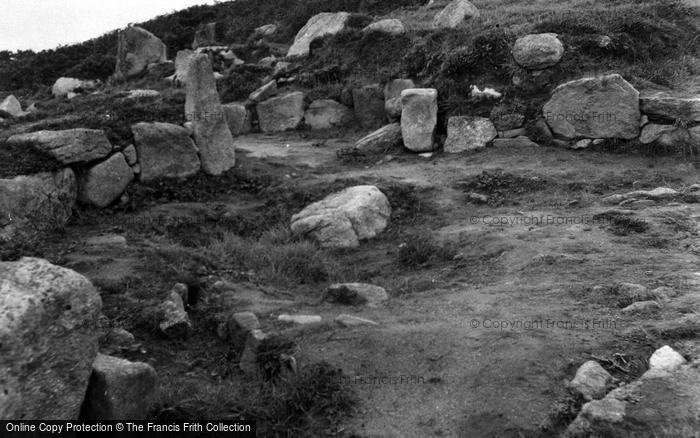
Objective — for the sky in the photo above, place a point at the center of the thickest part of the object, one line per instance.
(46, 24)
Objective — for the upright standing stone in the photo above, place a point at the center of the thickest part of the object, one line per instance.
(368, 102)
(418, 118)
(203, 108)
(48, 339)
(137, 48)
(599, 107)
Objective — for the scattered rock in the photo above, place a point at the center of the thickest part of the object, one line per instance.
(327, 114)
(600, 107)
(591, 381)
(175, 323)
(265, 92)
(392, 96)
(671, 108)
(642, 307)
(465, 133)
(118, 339)
(39, 202)
(106, 240)
(281, 113)
(381, 140)
(344, 218)
(160, 70)
(103, 183)
(666, 359)
(325, 23)
(538, 51)
(419, 118)
(356, 294)
(455, 14)
(392, 26)
(137, 48)
(203, 107)
(266, 30)
(506, 118)
(119, 389)
(12, 106)
(239, 118)
(477, 198)
(632, 292)
(353, 321)
(165, 151)
(142, 94)
(68, 146)
(300, 319)
(48, 334)
(582, 144)
(239, 325)
(368, 102)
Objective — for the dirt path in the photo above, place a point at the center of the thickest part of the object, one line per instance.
(482, 345)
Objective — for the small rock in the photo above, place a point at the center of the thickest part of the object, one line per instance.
(455, 14)
(106, 240)
(300, 319)
(477, 198)
(666, 359)
(538, 51)
(130, 155)
(142, 94)
(641, 307)
(518, 142)
(664, 293)
(512, 133)
(391, 26)
(355, 294)
(381, 140)
(466, 133)
(118, 338)
(12, 106)
(175, 322)
(591, 381)
(582, 144)
(119, 389)
(353, 321)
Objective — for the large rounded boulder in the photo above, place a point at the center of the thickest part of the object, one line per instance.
(538, 51)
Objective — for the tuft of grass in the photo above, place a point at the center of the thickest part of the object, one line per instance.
(621, 224)
(421, 249)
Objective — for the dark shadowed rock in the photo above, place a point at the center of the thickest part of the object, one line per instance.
(239, 118)
(239, 325)
(392, 96)
(48, 339)
(381, 140)
(326, 114)
(42, 201)
(119, 389)
(205, 36)
(665, 106)
(356, 294)
(165, 151)
(103, 183)
(368, 103)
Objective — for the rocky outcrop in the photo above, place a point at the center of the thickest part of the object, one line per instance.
(63, 86)
(327, 114)
(103, 183)
(165, 151)
(48, 337)
(281, 113)
(466, 133)
(119, 389)
(345, 218)
(38, 202)
(381, 140)
(391, 26)
(455, 14)
(600, 107)
(671, 108)
(538, 51)
(203, 108)
(419, 118)
(325, 23)
(137, 48)
(368, 103)
(238, 118)
(392, 96)
(68, 146)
